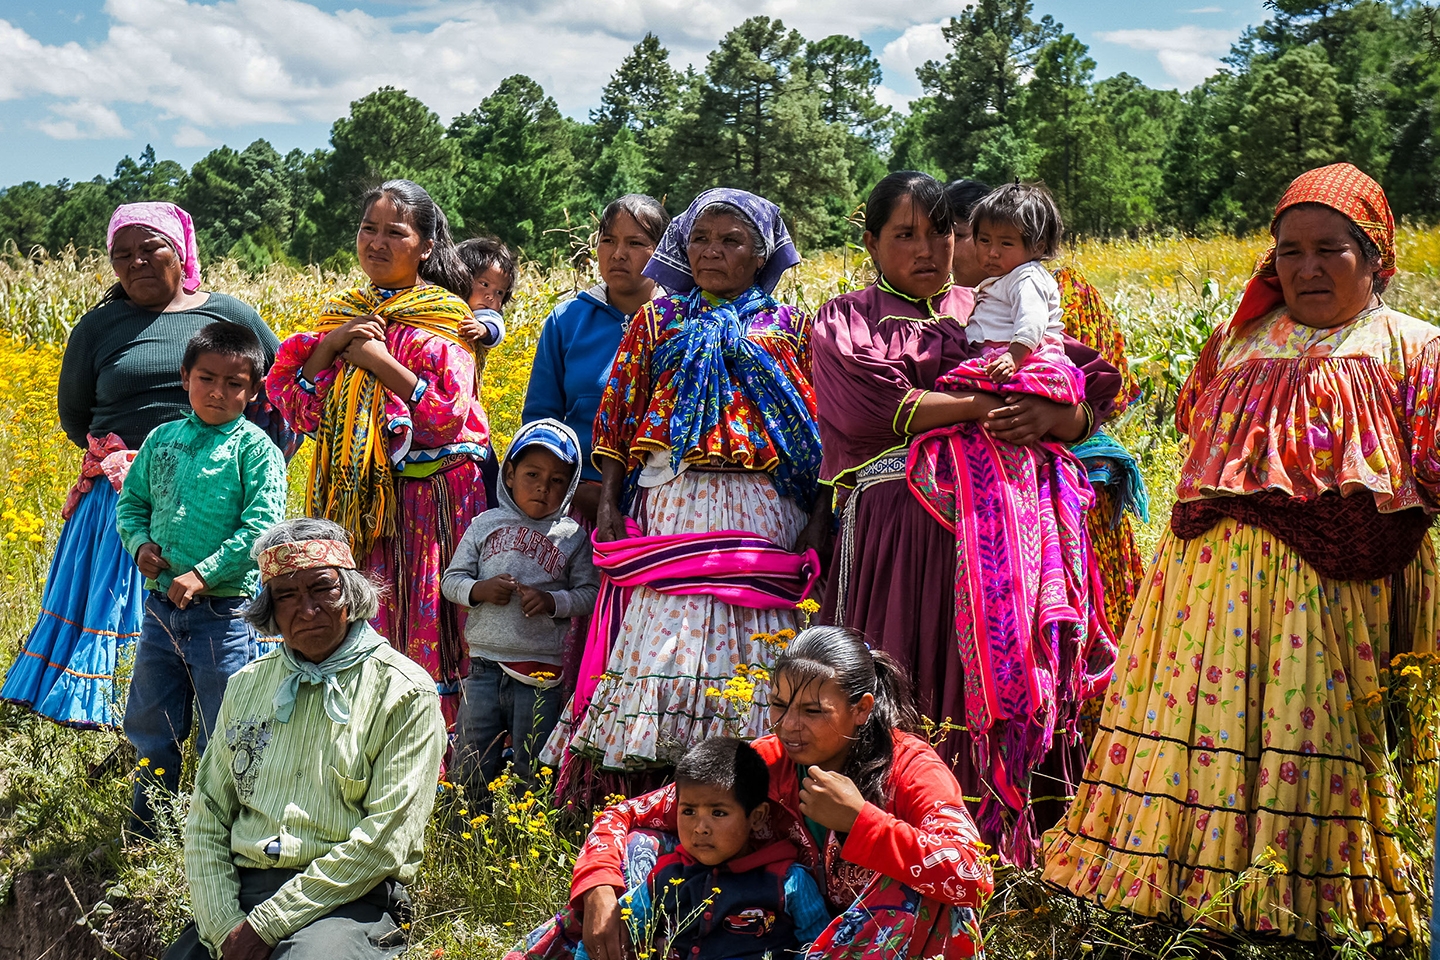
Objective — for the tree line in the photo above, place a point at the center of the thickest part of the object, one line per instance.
(798, 121)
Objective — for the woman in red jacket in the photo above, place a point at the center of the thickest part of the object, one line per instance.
(872, 808)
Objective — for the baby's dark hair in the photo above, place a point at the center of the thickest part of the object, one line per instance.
(1029, 208)
(482, 253)
(841, 654)
(726, 763)
(228, 340)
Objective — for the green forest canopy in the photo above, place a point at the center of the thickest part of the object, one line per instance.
(797, 120)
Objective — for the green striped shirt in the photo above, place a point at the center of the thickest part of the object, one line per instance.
(346, 805)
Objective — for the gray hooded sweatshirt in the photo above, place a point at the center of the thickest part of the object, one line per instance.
(552, 554)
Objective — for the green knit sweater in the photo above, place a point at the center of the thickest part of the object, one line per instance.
(121, 372)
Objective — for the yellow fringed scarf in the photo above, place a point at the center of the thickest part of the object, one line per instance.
(351, 479)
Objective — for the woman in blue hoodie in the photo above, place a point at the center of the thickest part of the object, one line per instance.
(579, 338)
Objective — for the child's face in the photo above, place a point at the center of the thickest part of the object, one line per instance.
(488, 289)
(219, 387)
(713, 825)
(1000, 248)
(538, 481)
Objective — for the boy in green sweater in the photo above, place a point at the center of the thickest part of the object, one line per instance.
(201, 490)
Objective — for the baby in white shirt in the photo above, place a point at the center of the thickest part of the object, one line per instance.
(1017, 306)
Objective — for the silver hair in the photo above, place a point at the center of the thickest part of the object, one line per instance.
(358, 593)
(762, 243)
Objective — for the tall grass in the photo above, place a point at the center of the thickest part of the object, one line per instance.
(491, 874)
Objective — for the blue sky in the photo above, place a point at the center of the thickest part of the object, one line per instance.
(83, 82)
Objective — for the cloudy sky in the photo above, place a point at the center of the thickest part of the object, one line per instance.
(84, 81)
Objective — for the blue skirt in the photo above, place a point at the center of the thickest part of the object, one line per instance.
(90, 612)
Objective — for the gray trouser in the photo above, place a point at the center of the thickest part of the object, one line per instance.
(364, 929)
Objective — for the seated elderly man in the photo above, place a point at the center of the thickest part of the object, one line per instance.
(311, 802)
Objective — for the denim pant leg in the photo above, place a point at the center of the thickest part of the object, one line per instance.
(533, 715)
(221, 643)
(481, 726)
(159, 711)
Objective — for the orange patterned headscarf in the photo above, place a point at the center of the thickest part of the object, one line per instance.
(286, 558)
(1342, 187)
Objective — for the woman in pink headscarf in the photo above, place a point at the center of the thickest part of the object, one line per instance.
(119, 380)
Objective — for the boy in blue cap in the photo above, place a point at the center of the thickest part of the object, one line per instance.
(523, 569)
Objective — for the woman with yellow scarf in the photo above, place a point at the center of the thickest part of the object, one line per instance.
(387, 388)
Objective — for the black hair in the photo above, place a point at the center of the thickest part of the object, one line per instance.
(726, 763)
(443, 267)
(1369, 249)
(481, 253)
(227, 340)
(1029, 208)
(648, 212)
(963, 195)
(924, 189)
(841, 654)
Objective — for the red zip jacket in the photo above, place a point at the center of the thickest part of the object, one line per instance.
(924, 837)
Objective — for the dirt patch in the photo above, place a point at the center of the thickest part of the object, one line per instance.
(39, 923)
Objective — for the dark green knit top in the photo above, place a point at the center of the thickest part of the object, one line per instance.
(121, 372)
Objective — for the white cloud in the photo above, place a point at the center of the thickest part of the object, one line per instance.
(1187, 54)
(1207, 10)
(922, 42)
(188, 136)
(83, 120)
(224, 63)
(895, 100)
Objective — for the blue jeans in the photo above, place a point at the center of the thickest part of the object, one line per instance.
(182, 657)
(493, 703)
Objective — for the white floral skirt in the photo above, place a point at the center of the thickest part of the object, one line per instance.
(652, 705)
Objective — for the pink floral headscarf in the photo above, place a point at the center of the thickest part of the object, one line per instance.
(170, 222)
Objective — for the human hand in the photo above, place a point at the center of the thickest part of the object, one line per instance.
(496, 590)
(536, 603)
(1027, 419)
(830, 799)
(601, 927)
(1001, 368)
(149, 560)
(243, 943)
(183, 589)
(368, 327)
(609, 521)
(366, 354)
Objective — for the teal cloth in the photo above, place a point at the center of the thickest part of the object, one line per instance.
(359, 643)
(204, 494)
(1109, 464)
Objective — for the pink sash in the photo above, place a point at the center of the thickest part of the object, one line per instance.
(733, 566)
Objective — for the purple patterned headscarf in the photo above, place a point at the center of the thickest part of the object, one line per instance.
(170, 222)
(670, 266)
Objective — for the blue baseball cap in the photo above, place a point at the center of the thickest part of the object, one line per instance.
(543, 435)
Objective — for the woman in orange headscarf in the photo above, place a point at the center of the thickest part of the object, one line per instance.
(1243, 728)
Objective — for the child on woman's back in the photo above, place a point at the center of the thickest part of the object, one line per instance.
(492, 284)
(1017, 306)
(721, 895)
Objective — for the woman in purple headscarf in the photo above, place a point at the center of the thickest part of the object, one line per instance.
(119, 380)
(707, 426)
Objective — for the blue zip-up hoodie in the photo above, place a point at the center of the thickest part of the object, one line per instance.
(577, 347)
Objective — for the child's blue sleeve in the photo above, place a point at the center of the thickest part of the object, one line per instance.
(805, 905)
(494, 325)
(637, 921)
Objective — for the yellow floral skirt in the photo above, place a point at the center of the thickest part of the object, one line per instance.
(1239, 778)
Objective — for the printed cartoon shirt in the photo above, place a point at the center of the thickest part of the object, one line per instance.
(1303, 410)
(344, 804)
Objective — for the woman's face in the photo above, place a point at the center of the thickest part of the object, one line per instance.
(722, 255)
(310, 612)
(389, 247)
(965, 264)
(147, 266)
(1323, 273)
(814, 721)
(910, 253)
(623, 249)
